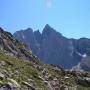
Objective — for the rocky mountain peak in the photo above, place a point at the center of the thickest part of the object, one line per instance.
(47, 26)
(2, 32)
(37, 32)
(47, 29)
(53, 48)
(28, 30)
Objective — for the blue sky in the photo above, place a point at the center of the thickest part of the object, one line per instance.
(70, 17)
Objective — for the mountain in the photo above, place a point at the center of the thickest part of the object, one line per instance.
(53, 48)
(20, 69)
(10, 46)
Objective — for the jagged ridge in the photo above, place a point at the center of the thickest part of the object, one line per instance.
(53, 48)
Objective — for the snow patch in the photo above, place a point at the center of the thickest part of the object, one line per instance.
(23, 36)
(79, 53)
(76, 68)
(84, 55)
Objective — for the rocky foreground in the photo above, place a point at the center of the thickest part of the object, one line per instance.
(18, 74)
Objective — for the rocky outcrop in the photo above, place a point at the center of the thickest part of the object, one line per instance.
(8, 83)
(10, 46)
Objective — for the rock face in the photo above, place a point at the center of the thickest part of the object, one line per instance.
(10, 46)
(53, 48)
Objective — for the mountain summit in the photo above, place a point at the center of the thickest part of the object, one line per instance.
(53, 48)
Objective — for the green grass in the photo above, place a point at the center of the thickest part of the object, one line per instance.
(22, 70)
(3, 82)
(80, 87)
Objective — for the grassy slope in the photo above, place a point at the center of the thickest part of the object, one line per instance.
(22, 70)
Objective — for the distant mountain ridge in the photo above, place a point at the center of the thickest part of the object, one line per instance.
(53, 48)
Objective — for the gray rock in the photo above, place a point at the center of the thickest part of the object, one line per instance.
(29, 85)
(13, 85)
(2, 63)
(2, 76)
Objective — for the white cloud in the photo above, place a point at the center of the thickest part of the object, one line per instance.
(49, 3)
